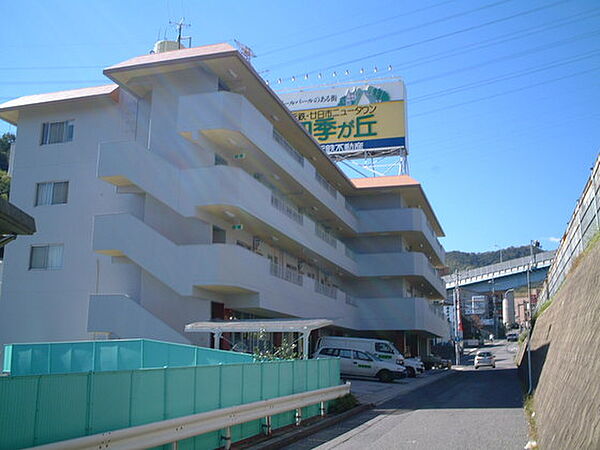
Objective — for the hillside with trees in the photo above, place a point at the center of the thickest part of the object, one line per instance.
(5, 141)
(457, 260)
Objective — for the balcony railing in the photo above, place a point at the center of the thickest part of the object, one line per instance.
(286, 274)
(329, 291)
(350, 300)
(282, 205)
(325, 235)
(350, 254)
(328, 187)
(287, 146)
(350, 208)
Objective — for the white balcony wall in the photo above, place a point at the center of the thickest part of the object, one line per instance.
(394, 220)
(122, 316)
(232, 112)
(213, 266)
(399, 264)
(402, 314)
(185, 190)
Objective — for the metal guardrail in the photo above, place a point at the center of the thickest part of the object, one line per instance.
(288, 147)
(286, 274)
(328, 187)
(325, 235)
(173, 430)
(329, 291)
(583, 225)
(284, 206)
(350, 300)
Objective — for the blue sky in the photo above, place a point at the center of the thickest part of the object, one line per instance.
(503, 95)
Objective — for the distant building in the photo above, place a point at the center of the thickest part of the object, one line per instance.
(186, 191)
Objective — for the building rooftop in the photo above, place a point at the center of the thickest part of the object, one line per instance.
(9, 111)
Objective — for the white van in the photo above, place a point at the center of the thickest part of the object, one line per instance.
(379, 347)
(356, 363)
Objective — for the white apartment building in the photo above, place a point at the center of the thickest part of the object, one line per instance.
(186, 191)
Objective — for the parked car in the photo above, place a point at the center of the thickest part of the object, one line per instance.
(435, 362)
(513, 337)
(362, 364)
(483, 358)
(382, 348)
(414, 366)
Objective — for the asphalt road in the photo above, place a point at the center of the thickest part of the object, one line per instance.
(469, 409)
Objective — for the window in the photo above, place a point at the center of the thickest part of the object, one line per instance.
(345, 353)
(383, 348)
(46, 257)
(362, 356)
(219, 235)
(55, 132)
(51, 193)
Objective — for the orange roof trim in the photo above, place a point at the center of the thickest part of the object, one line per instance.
(172, 56)
(384, 182)
(71, 94)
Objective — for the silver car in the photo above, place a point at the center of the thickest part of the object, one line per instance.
(483, 358)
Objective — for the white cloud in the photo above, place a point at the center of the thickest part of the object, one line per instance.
(553, 239)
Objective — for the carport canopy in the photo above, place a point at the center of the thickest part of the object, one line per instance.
(304, 326)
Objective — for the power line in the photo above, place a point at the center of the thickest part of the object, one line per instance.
(476, 46)
(509, 76)
(348, 30)
(435, 38)
(404, 30)
(529, 86)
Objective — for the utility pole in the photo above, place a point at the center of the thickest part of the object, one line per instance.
(456, 307)
(532, 244)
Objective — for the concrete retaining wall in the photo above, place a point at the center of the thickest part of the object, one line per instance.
(566, 361)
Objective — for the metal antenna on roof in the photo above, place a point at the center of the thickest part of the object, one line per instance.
(245, 51)
(179, 25)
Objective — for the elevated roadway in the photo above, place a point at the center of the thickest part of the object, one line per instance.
(502, 276)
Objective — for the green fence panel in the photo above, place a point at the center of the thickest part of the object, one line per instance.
(207, 398)
(110, 397)
(251, 392)
(180, 392)
(181, 355)
(270, 379)
(48, 408)
(62, 407)
(211, 356)
(208, 388)
(231, 385)
(17, 411)
(154, 354)
(31, 360)
(147, 396)
(286, 387)
(299, 376)
(118, 354)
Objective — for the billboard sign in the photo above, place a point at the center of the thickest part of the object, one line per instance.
(346, 120)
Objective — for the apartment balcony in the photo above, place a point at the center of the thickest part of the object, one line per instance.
(247, 280)
(238, 128)
(411, 265)
(411, 222)
(221, 191)
(410, 314)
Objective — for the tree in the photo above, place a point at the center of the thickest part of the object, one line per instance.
(4, 185)
(5, 141)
